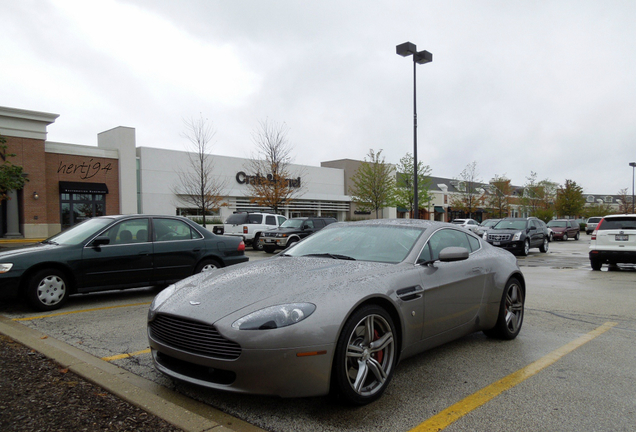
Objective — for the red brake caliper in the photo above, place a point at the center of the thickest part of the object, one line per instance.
(378, 356)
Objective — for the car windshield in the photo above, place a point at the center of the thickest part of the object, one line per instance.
(80, 232)
(377, 243)
(557, 224)
(489, 222)
(510, 225)
(292, 223)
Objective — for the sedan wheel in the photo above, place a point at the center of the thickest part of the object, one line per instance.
(48, 290)
(365, 355)
(544, 247)
(511, 311)
(207, 266)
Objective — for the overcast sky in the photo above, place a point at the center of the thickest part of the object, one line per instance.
(516, 86)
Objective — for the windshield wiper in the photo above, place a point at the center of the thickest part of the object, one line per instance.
(333, 256)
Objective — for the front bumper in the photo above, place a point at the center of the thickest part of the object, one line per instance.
(278, 372)
(512, 246)
(9, 286)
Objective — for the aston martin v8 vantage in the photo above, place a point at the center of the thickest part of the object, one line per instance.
(336, 312)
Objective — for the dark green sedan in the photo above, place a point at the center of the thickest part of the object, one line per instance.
(113, 252)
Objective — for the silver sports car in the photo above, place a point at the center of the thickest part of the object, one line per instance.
(337, 311)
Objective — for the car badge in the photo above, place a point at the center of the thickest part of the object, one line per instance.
(195, 303)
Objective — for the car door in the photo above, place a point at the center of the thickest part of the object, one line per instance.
(453, 291)
(178, 247)
(308, 228)
(126, 261)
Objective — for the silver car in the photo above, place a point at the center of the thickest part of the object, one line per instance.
(336, 312)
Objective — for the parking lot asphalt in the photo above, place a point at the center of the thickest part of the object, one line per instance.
(570, 349)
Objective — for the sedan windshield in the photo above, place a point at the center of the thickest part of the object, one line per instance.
(80, 232)
(510, 225)
(390, 244)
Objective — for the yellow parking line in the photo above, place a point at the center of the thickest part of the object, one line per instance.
(123, 356)
(79, 311)
(453, 413)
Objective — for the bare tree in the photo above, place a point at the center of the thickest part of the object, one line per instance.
(470, 190)
(198, 187)
(272, 181)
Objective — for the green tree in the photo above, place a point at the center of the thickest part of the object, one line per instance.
(500, 196)
(539, 197)
(373, 184)
(470, 191)
(404, 190)
(570, 200)
(11, 176)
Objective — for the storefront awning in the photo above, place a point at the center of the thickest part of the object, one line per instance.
(439, 209)
(83, 187)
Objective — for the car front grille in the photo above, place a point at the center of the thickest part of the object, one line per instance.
(498, 237)
(193, 337)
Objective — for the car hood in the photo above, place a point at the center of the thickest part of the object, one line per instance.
(249, 287)
(285, 230)
(27, 250)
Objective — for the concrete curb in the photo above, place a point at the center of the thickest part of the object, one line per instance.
(177, 409)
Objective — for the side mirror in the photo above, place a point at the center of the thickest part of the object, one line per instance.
(101, 240)
(453, 253)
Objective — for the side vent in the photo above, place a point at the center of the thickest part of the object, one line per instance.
(410, 293)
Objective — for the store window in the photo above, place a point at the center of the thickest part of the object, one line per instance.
(77, 207)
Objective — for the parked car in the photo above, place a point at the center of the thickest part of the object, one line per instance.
(486, 225)
(337, 311)
(250, 225)
(591, 224)
(614, 241)
(563, 229)
(519, 235)
(470, 224)
(113, 252)
(292, 231)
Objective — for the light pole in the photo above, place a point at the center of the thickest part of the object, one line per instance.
(407, 49)
(633, 165)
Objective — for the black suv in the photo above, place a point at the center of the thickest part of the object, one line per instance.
(291, 231)
(518, 235)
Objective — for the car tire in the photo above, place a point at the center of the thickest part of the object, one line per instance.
(544, 246)
(526, 248)
(596, 264)
(576, 236)
(511, 312)
(565, 237)
(269, 249)
(551, 237)
(207, 265)
(366, 355)
(291, 242)
(256, 243)
(48, 289)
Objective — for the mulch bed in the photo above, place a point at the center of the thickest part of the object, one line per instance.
(36, 394)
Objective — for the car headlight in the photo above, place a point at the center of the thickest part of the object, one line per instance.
(159, 300)
(275, 317)
(517, 236)
(281, 235)
(5, 267)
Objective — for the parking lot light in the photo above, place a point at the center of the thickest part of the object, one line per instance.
(633, 165)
